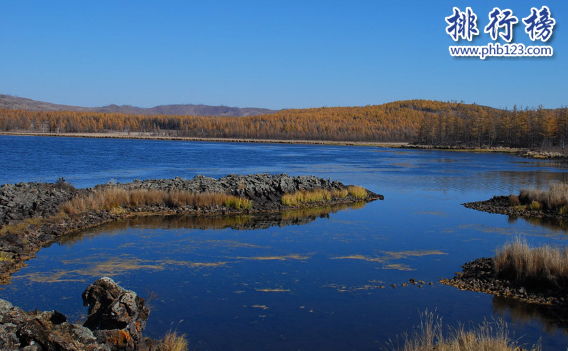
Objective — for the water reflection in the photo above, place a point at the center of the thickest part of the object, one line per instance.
(286, 288)
(552, 318)
(237, 222)
(556, 225)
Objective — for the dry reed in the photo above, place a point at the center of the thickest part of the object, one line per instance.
(358, 192)
(554, 198)
(545, 265)
(110, 198)
(429, 335)
(314, 196)
(306, 197)
(173, 342)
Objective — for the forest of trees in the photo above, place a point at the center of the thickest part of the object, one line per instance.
(415, 121)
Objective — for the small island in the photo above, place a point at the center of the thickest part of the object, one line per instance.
(535, 275)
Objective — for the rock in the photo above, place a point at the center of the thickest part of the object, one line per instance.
(23, 200)
(116, 320)
(42, 331)
(116, 316)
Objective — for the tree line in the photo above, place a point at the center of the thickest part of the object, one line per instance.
(415, 121)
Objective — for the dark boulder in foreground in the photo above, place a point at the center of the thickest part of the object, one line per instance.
(115, 314)
(117, 318)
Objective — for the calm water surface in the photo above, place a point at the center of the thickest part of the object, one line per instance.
(300, 281)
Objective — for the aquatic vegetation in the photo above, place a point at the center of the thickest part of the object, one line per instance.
(429, 335)
(273, 290)
(543, 265)
(277, 258)
(392, 255)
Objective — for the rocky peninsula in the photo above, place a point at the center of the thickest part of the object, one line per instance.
(36, 215)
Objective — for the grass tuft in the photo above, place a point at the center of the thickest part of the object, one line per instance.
(358, 192)
(514, 200)
(321, 195)
(545, 265)
(429, 335)
(555, 198)
(238, 203)
(173, 342)
(306, 197)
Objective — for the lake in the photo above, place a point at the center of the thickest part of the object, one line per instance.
(319, 279)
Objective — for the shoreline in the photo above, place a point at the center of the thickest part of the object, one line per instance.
(500, 204)
(149, 136)
(521, 152)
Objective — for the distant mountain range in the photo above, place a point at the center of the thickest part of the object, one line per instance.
(13, 102)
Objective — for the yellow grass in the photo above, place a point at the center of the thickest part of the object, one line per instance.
(21, 227)
(429, 336)
(306, 197)
(6, 256)
(358, 192)
(238, 203)
(173, 342)
(543, 265)
(554, 198)
(112, 198)
(314, 196)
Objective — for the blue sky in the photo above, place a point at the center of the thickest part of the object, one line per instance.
(272, 54)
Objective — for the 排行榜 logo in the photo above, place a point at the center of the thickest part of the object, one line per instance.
(539, 26)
